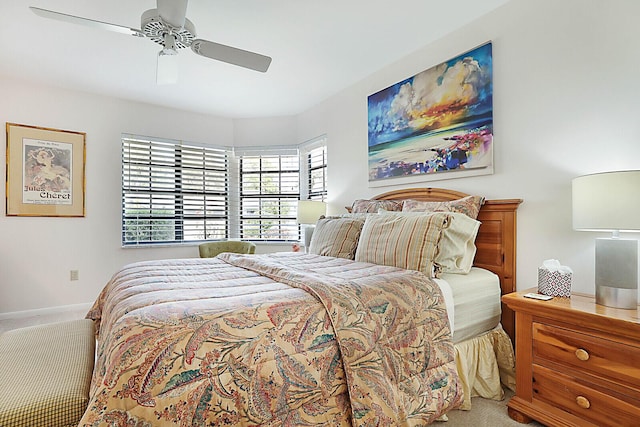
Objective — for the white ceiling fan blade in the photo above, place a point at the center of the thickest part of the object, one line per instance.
(231, 55)
(86, 22)
(173, 12)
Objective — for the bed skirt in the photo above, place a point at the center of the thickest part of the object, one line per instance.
(484, 363)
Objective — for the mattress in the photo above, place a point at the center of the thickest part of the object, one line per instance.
(473, 302)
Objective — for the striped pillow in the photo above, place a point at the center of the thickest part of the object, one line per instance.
(336, 237)
(408, 241)
(456, 248)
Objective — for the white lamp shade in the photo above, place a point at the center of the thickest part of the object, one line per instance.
(309, 211)
(607, 201)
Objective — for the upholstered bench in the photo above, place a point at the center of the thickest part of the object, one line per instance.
(45, 373)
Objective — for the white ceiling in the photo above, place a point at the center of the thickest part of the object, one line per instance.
(318, 48)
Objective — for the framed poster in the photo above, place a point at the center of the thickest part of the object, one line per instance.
(45, 172)
(437, 124)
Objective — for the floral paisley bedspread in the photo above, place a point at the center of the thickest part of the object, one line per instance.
(270, 340)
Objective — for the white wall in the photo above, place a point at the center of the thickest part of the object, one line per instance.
(37, 254)
(265, 131)
(565, 104)
(566, 101)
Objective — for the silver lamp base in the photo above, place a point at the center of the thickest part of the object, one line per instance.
(616, 297)
(617, 272)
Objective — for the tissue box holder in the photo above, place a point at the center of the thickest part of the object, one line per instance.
(554, 283)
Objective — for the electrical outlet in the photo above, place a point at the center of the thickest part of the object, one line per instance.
(74, 275)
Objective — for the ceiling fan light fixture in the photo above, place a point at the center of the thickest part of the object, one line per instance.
(167, 68)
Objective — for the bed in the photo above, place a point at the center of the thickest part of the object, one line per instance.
(483, 345)
(295, 339)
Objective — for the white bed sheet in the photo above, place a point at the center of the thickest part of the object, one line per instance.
(472, 301)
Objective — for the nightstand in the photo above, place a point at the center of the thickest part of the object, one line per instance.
(577, 363)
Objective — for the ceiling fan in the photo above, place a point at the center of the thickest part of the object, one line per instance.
(168, 26)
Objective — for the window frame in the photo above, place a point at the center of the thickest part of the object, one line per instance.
(167, 176)
(308, 161)
(233, 216)
(263, 198)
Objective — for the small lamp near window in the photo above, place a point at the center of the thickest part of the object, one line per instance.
(309, 211)
(610, 201)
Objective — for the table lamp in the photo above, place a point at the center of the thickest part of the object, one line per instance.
(610, 201)
(309, 211)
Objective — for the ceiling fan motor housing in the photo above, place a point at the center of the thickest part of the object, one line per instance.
(155, 28)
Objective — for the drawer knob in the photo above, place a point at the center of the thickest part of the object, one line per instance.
(583, 402)
(582, 354)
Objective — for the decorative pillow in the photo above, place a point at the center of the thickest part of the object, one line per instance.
(362, 216)
(469, 205)
(372, 206)
(336, 237)
(405, 241)
(457, 247)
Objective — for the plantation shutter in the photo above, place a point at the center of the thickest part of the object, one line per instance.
(268, 192)
(173, 191)
(314, 158)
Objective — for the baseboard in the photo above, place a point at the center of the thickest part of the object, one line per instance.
(45, 311)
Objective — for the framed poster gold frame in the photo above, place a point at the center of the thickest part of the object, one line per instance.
(45, 172)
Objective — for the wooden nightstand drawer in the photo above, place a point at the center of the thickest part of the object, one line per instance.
(577, 362)
(590, 354)
(578, 399)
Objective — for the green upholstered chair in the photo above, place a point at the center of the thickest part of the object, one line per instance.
(211, 249)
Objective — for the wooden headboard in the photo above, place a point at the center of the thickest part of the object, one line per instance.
(496, 240)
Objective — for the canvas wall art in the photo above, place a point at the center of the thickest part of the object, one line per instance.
(437, 124)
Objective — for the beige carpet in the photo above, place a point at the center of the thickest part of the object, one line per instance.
(484, 413)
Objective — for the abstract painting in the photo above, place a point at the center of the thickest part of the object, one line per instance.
(437, 124)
